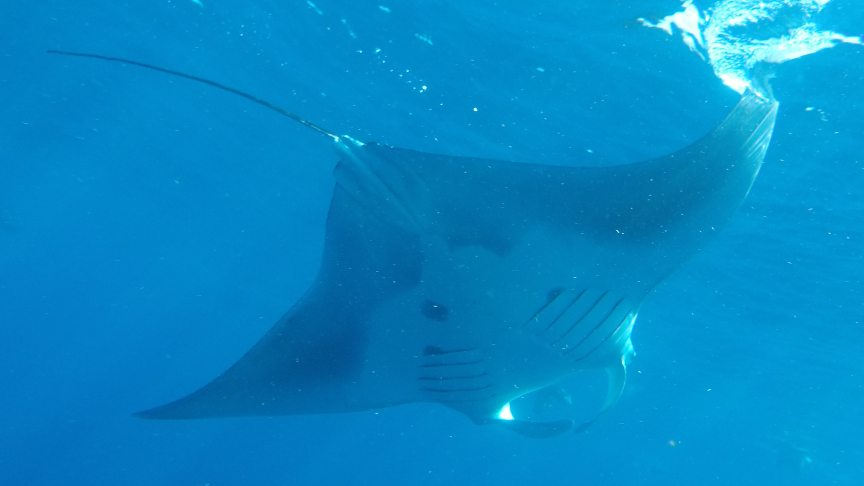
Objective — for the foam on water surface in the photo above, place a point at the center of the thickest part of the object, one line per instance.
(736, 35)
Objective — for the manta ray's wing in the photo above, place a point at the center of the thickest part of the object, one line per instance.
(471, 282)
(309, 361)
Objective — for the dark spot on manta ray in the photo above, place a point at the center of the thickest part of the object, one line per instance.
(436, 312)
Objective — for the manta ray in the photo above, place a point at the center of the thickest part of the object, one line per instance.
(472, 282)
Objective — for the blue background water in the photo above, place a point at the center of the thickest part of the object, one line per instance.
(153, 229)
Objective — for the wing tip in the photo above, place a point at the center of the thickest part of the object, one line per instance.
(147, 415)
(157, 413)
(186, 408)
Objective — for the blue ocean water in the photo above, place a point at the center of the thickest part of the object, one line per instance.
(153, 229)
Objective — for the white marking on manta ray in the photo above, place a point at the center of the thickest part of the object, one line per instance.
(431, 291)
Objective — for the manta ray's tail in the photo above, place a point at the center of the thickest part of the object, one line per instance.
(229, 89)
